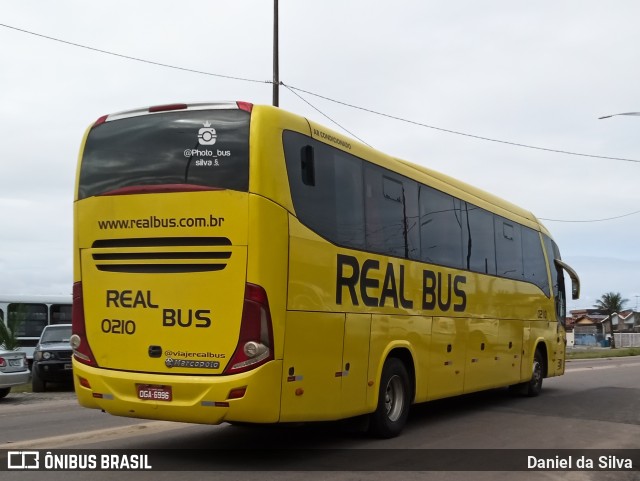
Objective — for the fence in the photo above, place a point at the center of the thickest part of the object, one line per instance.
(627, 339)
(590, 339)
(623, 339)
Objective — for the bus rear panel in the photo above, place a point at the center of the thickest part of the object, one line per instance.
(167, 323)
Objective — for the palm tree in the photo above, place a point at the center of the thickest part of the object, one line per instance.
(611, 303)
(8, 331)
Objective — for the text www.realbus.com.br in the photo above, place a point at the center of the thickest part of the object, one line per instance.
(154, 222)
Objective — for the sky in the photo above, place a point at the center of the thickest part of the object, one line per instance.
(470, 79)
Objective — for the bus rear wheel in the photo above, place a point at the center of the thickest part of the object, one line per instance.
(394, 399)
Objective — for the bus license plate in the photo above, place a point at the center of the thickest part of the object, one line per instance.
(153, 392)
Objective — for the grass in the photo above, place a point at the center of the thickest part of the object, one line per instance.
(22, 388)
(603, 353)
(51, 387)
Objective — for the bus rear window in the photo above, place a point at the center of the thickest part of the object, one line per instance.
(208, 148)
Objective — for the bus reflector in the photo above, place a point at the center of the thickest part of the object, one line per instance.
(237, 393)
(81, 349)
(255, 343)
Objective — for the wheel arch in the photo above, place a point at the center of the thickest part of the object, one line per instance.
(541, 346)
(403, 353)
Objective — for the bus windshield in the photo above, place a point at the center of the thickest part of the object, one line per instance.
(207, 148)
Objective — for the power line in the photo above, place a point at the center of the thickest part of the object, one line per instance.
(128, 57)
(420, 124)
(592, 220)
(322, 113)
(346, 104)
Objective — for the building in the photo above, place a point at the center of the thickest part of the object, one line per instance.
(591, 327)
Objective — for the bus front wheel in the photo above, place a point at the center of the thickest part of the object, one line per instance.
(392, 411)
(532, 387)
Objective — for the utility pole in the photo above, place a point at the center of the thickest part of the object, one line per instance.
(276, 67)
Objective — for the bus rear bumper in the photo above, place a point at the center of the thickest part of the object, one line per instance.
(194, 399)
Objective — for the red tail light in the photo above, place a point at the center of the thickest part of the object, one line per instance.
(100, 121)
(255, 343)
(81, 349)
(246, 106)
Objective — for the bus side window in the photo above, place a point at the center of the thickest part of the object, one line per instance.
(307, 166)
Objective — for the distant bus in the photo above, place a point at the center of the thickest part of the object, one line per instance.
(240, 263)
(32, 314)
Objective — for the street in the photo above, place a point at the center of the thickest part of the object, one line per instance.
(593, 406)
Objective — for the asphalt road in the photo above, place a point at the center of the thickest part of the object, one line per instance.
(595, 406)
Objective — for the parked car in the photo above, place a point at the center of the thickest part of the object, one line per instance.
(52, 357)
(13, 370)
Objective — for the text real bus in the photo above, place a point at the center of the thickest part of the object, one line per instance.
(236, 262)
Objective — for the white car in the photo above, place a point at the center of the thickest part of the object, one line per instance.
(13, 370)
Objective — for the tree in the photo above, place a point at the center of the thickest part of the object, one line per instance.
(8, 333)
(611, 303)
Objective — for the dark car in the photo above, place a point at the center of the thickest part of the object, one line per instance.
(52, 357)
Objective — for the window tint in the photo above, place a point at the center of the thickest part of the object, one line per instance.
(333, 203)
(479, 247)
(357, 204)
(60, 314)
(30, 318)
(508, 248)
(384, 207)
(440, 228)
(56, 334)
(552, 253)
(349, 200)
(557, 278)
(198, 147)
(412, 217)
(535, 268)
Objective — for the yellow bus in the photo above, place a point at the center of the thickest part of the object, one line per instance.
(239, 263)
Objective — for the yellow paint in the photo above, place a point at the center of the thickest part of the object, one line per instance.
(328, 356)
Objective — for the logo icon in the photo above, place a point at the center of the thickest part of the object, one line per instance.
(207, 134)
(23, 460)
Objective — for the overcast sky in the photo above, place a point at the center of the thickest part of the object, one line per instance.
(534, 73)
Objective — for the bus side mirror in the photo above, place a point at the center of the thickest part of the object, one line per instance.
(575, 280)
(307, 166)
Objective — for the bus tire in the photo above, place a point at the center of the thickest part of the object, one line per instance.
(532, 387)
(394, 399)
(37, 384)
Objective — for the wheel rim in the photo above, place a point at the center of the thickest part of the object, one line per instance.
(537, 373)
(394, 398)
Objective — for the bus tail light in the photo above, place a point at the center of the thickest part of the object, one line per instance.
(246, 106)
(79, 343)
(255, 343)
